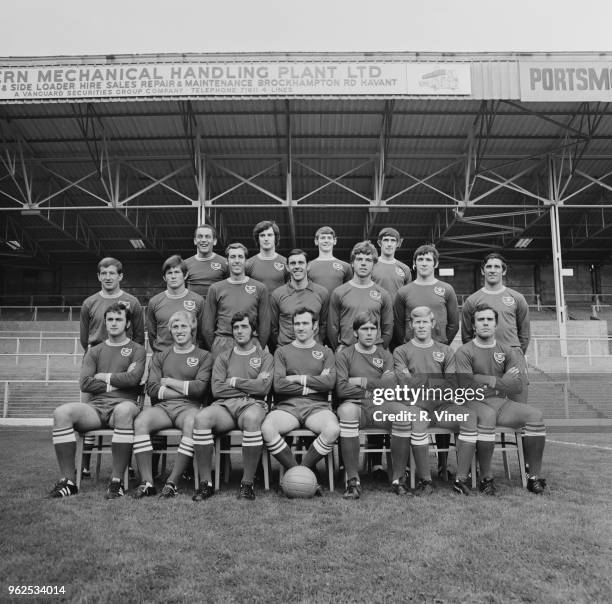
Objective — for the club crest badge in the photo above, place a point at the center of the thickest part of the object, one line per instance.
(279, 266)
(317, 354)
(499, 357)
(400, 272)
(438, 356)
(439, 291)
(508, 300)
(189, 305)
(250, 289)
(337, 266)
(375, 294)
(255, 362)
(378, 362)
(192, 361)
(126, 352)
(124, 303)
(216, 266)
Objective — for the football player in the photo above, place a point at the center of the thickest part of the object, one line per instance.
(439, 296)
(92, 323)
(176, 297)
(241, 379)
(298, 292)
(268, 266)
(389, 272)
(205, 267)
(178, 379)
(360, 369)
(111, 374)
(487, 363)
(237, 293)
(421, 364)
(304, 375)
(512, 310)
(326, 270)
(360, 294)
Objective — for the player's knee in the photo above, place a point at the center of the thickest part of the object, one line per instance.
(203, 420)
(269, 431)
(534, 416)
(141, 424)
(187, 429)
(252, 419)
(348, 412)
(124, 414)
(331, 432)
(62, 416)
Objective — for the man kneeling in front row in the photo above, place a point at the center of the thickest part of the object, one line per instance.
(241, 379)
(111, 374)
(304, 374)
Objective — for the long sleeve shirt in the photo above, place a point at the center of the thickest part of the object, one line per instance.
(123, 366)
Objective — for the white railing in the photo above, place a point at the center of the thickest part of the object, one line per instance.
(535, 346)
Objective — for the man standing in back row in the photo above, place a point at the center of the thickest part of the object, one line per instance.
(326, 270)
(206, 267)
(267, 266)
(389, 272)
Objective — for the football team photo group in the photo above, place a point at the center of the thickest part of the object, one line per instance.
(270, 344)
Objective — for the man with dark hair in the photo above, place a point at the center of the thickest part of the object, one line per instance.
(93, 328)
(205, 267)
(427, 290)
(111, 374)
(178, 380)
(360, 294)
(237, 293)
(298, 292)
(486, 363)
(267, 266)
(389, 272)
(512, 309)
(304, 374)
(176, 297)
(362, 368)
(326, 270)
(241, 379)
(92, 323)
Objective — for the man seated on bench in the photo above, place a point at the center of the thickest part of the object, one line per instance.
(496, 368)
(304, 375)
(241, 379)
(177, 384)
(362, 368)
(111, 374)
(427, 368)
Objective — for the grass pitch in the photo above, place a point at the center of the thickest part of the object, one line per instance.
(443, 548)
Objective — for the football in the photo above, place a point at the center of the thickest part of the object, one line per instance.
(299, 482)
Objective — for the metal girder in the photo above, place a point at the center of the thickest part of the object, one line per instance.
(333, 181)
(378, 202)
(11, 231)
(591, 225)
(289, 175)
(109, 175)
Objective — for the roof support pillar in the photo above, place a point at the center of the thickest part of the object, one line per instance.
(289, 184)
(555, 236)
